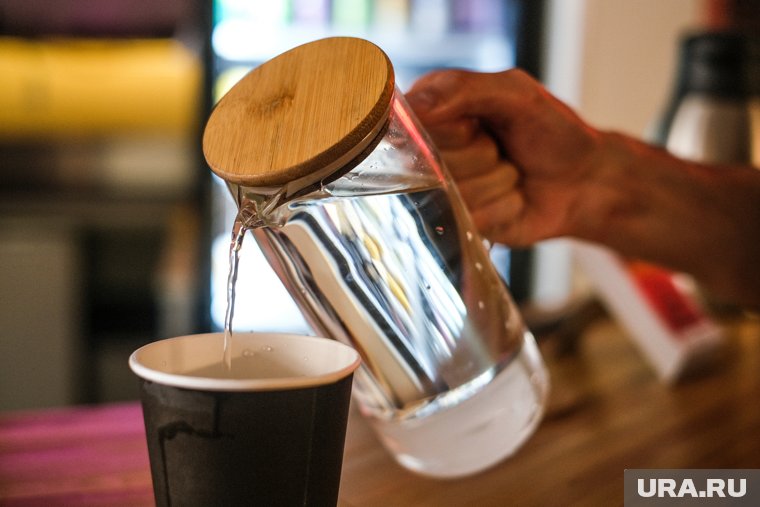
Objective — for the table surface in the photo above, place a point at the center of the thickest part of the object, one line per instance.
(607, 412)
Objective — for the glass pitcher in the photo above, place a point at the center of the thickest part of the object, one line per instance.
(358, 216)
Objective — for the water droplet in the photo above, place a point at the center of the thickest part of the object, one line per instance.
(267, 348)
(481, 305)
(478, 266)
(439, 230)
(427, 287)
(248, 353)
(469, 236)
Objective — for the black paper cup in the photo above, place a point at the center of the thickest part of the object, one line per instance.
(272, 433)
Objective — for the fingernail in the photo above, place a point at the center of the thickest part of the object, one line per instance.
(421, 101)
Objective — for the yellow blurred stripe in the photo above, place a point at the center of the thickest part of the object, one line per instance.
(81, 87)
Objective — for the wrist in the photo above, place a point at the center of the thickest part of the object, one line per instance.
(613, 193)
(696, 218)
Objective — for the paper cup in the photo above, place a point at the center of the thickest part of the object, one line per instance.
(270, 433)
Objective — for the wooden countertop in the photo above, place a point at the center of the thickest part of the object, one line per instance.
(607, 412)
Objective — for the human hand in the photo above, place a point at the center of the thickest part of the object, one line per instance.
(519, 156)
(529, 169)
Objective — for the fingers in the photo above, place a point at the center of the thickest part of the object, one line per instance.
(447, 95)
(438, 90)
(494, 199)
(501, 220)
(480, 190)
(472, 118)
(432, 89)
(480, 155)
(453, 134)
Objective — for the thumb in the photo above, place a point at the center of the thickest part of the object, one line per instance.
(434, 90)
(422, 100)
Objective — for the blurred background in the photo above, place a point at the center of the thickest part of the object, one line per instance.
(113, 231)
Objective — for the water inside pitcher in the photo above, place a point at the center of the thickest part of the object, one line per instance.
(379, 252)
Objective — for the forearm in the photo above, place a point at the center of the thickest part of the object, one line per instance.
(704, 220)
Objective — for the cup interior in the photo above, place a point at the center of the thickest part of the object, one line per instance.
(260, 361)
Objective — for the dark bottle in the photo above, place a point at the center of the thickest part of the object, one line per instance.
(709, 117)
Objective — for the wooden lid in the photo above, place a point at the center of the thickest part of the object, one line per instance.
(306, 112)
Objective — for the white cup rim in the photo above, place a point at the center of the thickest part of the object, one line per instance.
(168, 361)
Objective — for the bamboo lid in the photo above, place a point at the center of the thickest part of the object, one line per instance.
(302, 115)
